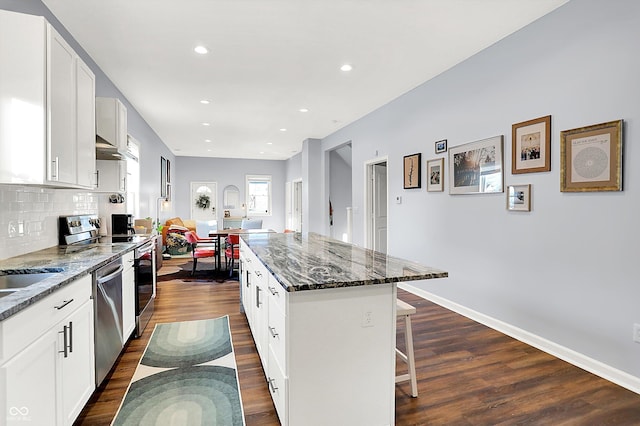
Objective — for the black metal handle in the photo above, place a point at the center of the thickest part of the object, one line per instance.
(258, 303)
(70, 336)
(272, 330)
(248, 278)
(64, 345)
(64, 303)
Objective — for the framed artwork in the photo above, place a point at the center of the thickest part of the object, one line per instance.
(476, 167)
(519, 198)
(163, 177)
(435, 174)
(412, 171)
(441, 146)
(531, 146)
(591, 158)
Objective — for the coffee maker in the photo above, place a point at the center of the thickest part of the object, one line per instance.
(122, 224)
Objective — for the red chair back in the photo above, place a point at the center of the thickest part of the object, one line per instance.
(191, 237)
(234, 239)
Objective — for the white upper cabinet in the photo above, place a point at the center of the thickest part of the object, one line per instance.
(111, 122)
(47, 107)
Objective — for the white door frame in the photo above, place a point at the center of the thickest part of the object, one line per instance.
(368, 199)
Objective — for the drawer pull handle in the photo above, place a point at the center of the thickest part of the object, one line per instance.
(273, 332)
(67, 334)
(272, 386)
(64, 303)
(272, 290)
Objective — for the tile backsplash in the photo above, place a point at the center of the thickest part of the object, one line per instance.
(29, 215)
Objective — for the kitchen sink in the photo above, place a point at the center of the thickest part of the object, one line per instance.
(4, 293)
(22, 280)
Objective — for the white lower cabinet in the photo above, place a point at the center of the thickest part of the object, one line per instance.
(47, 373)
(128, 297)
(322, 363)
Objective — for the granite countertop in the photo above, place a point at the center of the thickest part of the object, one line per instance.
(312, 262)
(68, 263)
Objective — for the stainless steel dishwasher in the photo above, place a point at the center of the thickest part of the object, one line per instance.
(107, 300)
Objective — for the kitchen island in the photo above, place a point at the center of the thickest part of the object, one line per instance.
(323, 317)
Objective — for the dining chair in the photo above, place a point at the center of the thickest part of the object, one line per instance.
(232, 251)
(251, 224)
(198, 252)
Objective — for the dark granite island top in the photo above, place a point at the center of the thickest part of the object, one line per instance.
(68, 263)
(314, 261)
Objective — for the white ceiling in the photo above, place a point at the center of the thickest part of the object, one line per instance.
(269, 58)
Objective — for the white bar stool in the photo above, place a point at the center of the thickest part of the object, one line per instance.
(405, 310)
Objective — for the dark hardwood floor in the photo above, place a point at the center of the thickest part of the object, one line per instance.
(468, 374)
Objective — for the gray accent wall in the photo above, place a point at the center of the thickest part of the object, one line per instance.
(229, 171)
(563, 274)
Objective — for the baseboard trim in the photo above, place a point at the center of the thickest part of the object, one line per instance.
(579, 360)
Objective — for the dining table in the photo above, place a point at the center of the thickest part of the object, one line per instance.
(220, 233)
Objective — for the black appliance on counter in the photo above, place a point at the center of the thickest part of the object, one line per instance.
(122, 224)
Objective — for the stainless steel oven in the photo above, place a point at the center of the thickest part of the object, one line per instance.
(145, 273)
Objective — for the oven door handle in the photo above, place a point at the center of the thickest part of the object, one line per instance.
(118, 271)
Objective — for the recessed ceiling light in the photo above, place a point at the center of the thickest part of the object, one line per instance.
(303, 110)
(261, 152)
(206, 124)
(208, 150)
(205, 102)
(283, 130)
(207, 140)
(201, 50)
(269, 143)
(346, 67)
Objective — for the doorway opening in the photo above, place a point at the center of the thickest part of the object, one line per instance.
(376, 205)
(297, 206)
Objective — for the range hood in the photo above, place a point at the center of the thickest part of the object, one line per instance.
(107, 151)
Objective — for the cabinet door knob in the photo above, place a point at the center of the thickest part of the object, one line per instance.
(273, 332)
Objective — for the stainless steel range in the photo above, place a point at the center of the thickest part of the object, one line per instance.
(82, 231)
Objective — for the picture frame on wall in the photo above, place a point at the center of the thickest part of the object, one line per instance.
(441, 146)
(531, 146)
(591, 158)
(411, 170)
(435, 175)
(519, 198)
(476, 167)
(163, 177)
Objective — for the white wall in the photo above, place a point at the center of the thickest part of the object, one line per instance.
(564, 272)
(227, 171)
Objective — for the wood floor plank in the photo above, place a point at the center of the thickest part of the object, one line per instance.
(467, 373)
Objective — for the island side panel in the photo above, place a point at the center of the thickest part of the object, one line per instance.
(341, 370)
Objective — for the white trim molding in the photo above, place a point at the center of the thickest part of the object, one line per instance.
(591, 365)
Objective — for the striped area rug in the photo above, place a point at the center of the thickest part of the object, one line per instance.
(187, 376)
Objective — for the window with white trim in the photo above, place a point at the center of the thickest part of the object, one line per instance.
(258, 195)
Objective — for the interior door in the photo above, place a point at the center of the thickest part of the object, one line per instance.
(380, 207)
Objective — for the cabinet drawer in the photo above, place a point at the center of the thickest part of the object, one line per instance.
(26, 326)
(277, 331)
(277, 294)
(278, 383)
